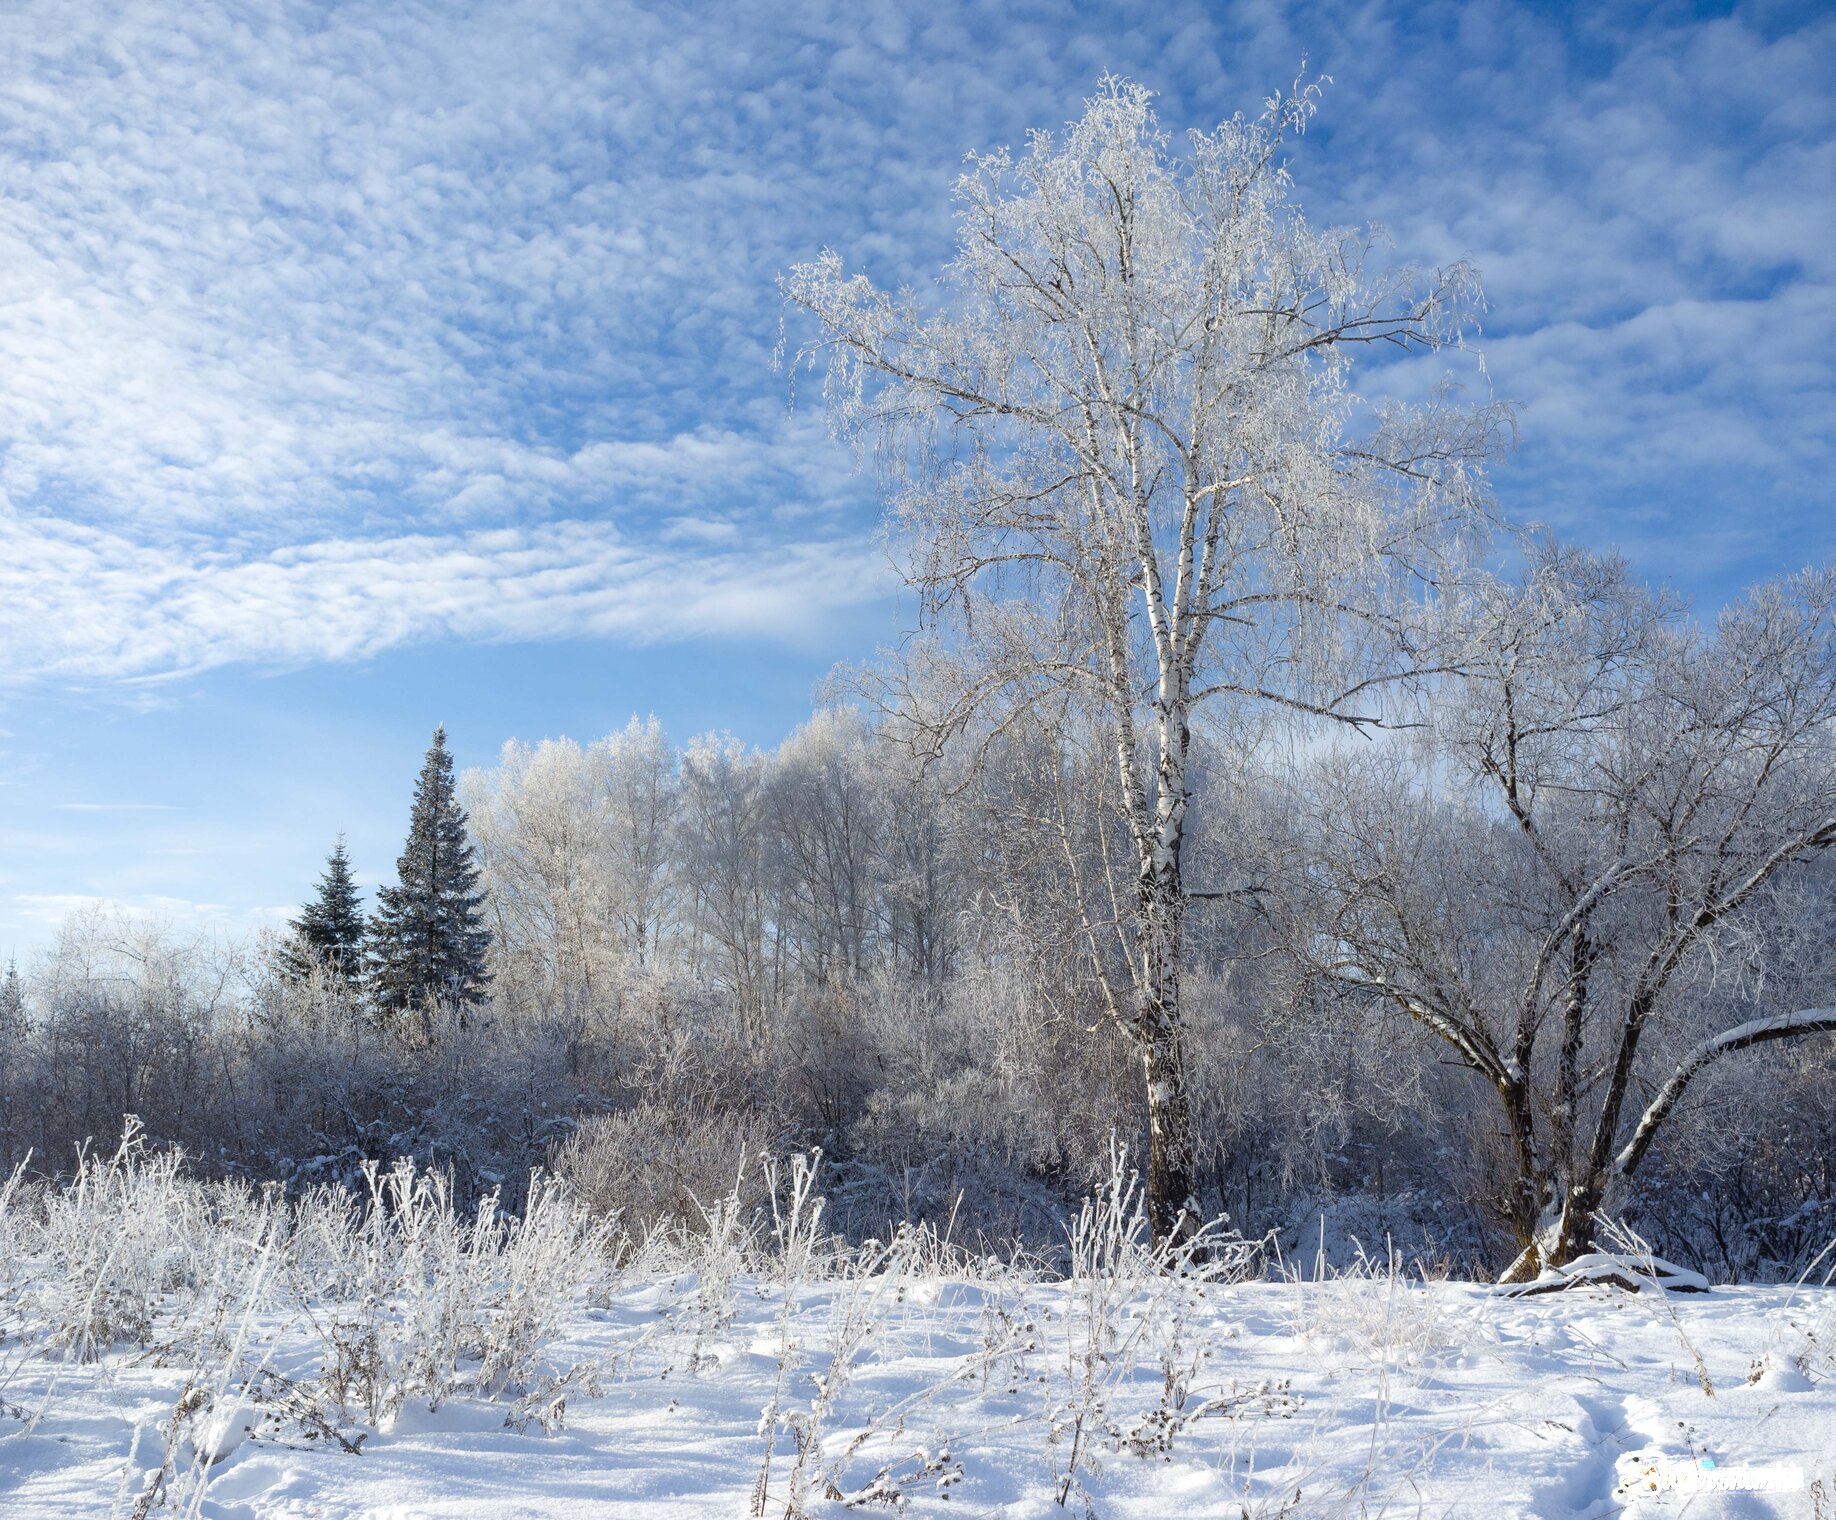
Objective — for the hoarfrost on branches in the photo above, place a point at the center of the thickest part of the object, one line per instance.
(1131, 476)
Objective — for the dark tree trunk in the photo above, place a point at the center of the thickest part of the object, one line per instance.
(1524, 1204)
(1171, 1211)
(1160, 1034)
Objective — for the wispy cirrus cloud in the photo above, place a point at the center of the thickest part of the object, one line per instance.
(114, 807)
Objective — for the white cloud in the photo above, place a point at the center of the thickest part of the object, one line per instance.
(329, 330)
(83, 602)
(36, 916)
(1647, 197)
(114, 807)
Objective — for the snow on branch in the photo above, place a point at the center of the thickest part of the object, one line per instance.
(1779, 1026)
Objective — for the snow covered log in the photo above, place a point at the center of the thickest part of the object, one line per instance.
(1606, 1269)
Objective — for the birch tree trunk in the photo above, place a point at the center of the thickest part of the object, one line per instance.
(1161, 1038)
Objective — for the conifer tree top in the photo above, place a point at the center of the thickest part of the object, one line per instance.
(329, 930)
(428, 938)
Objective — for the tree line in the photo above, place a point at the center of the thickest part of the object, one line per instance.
(1587, 871)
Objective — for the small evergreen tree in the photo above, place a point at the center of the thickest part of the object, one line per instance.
(427, 941)
(12, 1002)
(328, 934)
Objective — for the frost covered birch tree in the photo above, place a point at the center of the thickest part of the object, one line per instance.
(634, 781)
(536, 819)
(826, 836)
(724, 836)
(1128, 463)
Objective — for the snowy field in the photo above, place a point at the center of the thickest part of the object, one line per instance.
(176, 1349)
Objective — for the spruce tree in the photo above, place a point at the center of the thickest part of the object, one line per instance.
(12, 1002)
(328, 934)
(427, 941)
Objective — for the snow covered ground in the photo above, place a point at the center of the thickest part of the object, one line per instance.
(176, 1347)
(1365, 1395)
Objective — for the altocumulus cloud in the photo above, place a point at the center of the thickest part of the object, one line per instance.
(330, 331)
(77, 601)
(333, 328)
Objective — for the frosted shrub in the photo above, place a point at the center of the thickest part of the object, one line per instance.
(14, 1202)
(1804, 1337)
(113, 1242)
(442, 1303)
(542, 1260)
(233, 1239)
(719, 1255)
(653, 1166)
(870, 1459)
(15, 1231)
(1127, 1300)
(211, 1415)
(326, 1246)
(1374, 1312)
(802, 1249)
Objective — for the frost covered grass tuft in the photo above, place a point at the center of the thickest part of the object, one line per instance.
(1128, 1302)
(437, 1303)
(113, 1245)
(1376, 1312)
(403, 1296)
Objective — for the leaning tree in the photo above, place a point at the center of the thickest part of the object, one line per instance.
(1580, 882)
(1128, 467)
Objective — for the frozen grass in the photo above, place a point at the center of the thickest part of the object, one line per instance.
(1377, 1312)
(217, 1350)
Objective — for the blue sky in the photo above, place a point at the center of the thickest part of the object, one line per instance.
(375, 364)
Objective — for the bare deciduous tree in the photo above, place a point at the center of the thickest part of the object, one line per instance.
(634, 779)
(541, 843)
(723, 845)
(1570, 887)
(827, 831)
(1129, 465)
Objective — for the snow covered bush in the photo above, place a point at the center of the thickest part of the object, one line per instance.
(408, 1295)
(439, 1302)
(657, 1164)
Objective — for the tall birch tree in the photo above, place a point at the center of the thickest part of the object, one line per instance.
(1127, 463)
